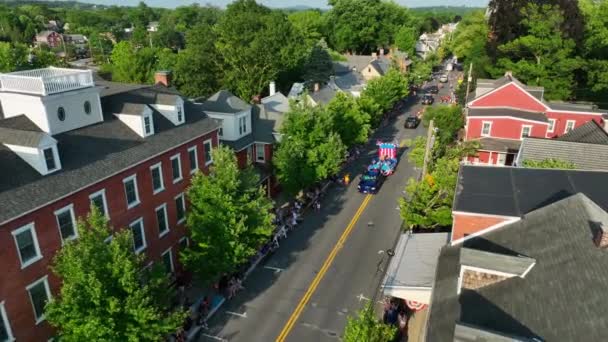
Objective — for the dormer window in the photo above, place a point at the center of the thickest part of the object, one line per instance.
(49, 158)
(147, 125)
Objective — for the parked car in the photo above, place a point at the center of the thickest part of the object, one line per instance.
(432, 89)
(443, 78)
(412, 122)
(371, 182)
(427, 99)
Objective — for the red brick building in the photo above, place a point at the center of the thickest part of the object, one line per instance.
(68, 143)
(50, 38)
(500, 113)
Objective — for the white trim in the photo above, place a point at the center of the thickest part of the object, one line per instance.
(48, 296)
(483, 124)
(158, 166)
(7, 324)
(32, 229)
(56, 160)
(523, 275)
(551, 129)
(179, 167)
(459, 286)
(143, 121)
(164, 208)
(521, 134)
(193, 169)
(504, 86)
(210, 141)
(566, 127)
(508, 117)
(124, 183)
(70, 208)
(139, 221)
(183, 219)
(162, 257)
(466, 213)
(101, 192)
(484, 231)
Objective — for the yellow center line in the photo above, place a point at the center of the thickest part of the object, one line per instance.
(315, 282)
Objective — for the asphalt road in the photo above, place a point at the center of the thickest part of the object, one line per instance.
(276, 288)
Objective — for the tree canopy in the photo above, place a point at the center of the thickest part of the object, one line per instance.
(549, 163)
(366, 327)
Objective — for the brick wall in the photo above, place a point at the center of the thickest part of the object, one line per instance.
(473, 280)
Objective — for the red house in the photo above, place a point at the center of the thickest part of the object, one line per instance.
(50, 38)
(500, 113)
(67, 143)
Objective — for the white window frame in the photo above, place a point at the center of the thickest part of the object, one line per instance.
(48, 295)
(193, 169)
(523, 127)
(179, 166)
(32, 229)
(164, 208)
(162, 257)
(58, 212)
(210, 142)
(7, 324)
(149, 117)
(260, 147)
(139, 221)
(551, 127)
(183, 219)
(567, 123)
(483, 124)
(158, 166)
(101, 193)
(124, 187)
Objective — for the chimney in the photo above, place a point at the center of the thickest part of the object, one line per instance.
(601, 235)
(509, 74)
(317, 87)
(272, 88)
(374, 56)
(163, 77)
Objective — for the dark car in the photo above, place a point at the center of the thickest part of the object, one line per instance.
(370, 182)
(412, 122)
(432, 89)
(427, 99)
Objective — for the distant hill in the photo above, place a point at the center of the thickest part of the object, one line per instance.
(451, 9)
(52, 4)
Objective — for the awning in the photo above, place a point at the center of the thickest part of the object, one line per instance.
(411, 271)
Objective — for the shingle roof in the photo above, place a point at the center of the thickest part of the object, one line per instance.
(584, 156)
(576, 107)
(381, 65)
(511, 112)
(323, 96)
(21, 131)
(268, 117)
(591, 133)
(512, 264)
(359, 62)
(512, 191)
(350, 81)
(560, 299)
(499, 145)
(90, 154)
(225, 102)
(241, 143)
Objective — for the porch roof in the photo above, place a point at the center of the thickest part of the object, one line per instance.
(499, 145)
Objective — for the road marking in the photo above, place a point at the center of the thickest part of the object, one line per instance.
(243, 315)
(361, 297)
(315, 282)
(275, 269)
(217, 338)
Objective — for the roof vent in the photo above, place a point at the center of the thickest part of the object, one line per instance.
(601, 235)
(509, 74)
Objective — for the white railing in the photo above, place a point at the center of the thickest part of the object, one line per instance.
(46, 81)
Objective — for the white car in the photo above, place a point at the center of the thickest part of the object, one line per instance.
(443, 78)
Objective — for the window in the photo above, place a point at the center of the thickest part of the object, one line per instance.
(87, 107)
(180, 208)
(156, 172)
(240, 126)
(485, 130)
(183, 243)
(98, 199)
(5, 328)
(193, 159)
(65, 221)
(176, 167)
(139, 237)
(525, 131)
(49, 158)
(161, 219)
(207, 149)
(147, 126)
(131, 194)
(180, 116)
(259, 153)
(60, 113)
(168, 260)
(551, 126)
(569, 126)
(27, 245)
(39, 294)
(220, 132)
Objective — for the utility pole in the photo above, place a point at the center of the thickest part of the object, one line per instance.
(429, 147)
(466, 95)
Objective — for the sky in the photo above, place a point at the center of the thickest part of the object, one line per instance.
(285, 3)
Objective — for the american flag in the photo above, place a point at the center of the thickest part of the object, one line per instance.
(387, 150)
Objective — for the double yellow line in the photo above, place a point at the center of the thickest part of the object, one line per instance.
(315, 282)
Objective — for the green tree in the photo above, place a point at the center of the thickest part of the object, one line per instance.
(319, 65)
(350, 122)
(596, 45)
(366, 327)
(12, 57)
(134, 65)
(549, 163)
(384, 91)
(469, 42)
(310, 24)
(447, 119)
(229, 219)
(406, 39)
(102, 297)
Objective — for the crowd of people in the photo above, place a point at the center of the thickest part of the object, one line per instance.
(396, 313)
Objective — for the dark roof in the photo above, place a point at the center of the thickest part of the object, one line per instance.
(268, 117)
(511, 191)
(323, 96)
(225, 102)
(513, 264)
(499, 145)
(341, 68)
(90, 154)
(511, 112)
(381, 65)
(241, 143)
(21, 131)
(359, 62)
(575, 107)
(560, 299)
(112, 88)
(591, 133)
(350, 81)
(584, 156)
